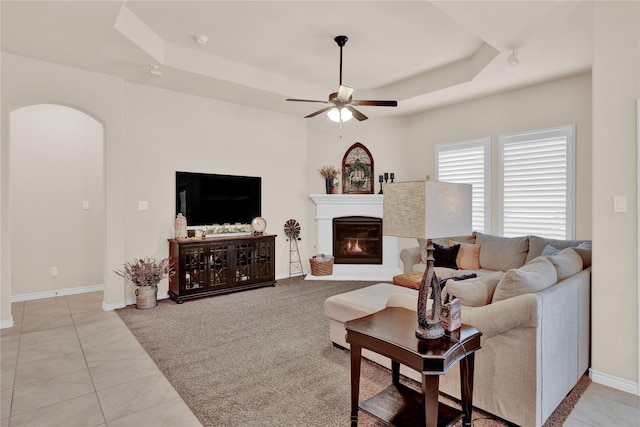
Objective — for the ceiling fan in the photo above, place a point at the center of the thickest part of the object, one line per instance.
(341, 105)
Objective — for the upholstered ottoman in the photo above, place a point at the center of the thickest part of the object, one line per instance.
(362, 302)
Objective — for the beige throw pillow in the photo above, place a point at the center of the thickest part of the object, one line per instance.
(468, 256)
(567, 263)
(474, 292)
(536, 276)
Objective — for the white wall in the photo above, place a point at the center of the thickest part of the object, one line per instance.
(30, 82)
(616, 87)
(167, 131)
(57, 165)
(560, 102)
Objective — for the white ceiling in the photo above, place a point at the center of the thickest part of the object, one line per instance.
(425, 54)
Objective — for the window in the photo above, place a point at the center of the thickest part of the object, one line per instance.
(536, 183)
(469, 162)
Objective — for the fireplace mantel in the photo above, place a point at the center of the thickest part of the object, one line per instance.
(329, 206)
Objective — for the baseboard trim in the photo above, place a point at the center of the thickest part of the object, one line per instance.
(113, 306)
(56, 293)
(614, 382)
(128, 301)
(4, 324)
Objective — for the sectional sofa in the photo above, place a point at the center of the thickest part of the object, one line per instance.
(530, 300)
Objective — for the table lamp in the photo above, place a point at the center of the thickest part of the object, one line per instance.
(432, 210)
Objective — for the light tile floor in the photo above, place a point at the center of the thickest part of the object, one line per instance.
(68, 363)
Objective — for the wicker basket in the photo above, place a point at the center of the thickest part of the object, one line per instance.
(321, 265)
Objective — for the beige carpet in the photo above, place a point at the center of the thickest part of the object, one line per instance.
(263, 358)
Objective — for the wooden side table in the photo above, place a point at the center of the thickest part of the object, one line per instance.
(391, 333)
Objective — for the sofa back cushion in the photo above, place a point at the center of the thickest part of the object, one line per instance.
(536, 276)
(474, 292)
(502, 253)
(537, 244)
(567, 262)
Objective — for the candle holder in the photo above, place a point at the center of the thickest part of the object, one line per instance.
(386, 177)
(392, 176)
(380, 178)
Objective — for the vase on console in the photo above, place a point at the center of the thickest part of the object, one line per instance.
(330, 174)
(329, 185)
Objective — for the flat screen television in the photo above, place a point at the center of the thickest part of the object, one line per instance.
(207, 199)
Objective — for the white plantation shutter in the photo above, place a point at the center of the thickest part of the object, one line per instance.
(536, 183)
(469, 162)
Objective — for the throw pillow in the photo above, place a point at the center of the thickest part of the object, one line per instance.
(502, 253)
(549, 250)
(475, 292)
(567, 262)
(536, 276)
(468, 255)
(445, 256)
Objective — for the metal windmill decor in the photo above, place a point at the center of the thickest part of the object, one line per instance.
(292, 231)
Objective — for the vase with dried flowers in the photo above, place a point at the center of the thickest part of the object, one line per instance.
(330, 174)
(145, 274)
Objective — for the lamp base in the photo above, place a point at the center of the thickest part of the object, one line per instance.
(432, 330)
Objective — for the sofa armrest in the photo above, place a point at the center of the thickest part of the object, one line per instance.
(409, 257)
(493, 319)
(499, 317)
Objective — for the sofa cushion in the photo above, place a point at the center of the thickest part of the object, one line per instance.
(361, 302)
(474, 292)
(537, 245)
(584, 250)
(468, 256)
(567, 262)
(536, 276)
(502, 253)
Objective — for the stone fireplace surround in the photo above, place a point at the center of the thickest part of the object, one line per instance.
(329, 206)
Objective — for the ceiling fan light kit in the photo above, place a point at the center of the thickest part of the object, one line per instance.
(339, 115)
(341, 104)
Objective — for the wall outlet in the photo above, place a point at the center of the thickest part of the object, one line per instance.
(54, 271)
(143, 205)
(85, 205)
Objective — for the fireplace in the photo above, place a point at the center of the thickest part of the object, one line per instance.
(330, 206)
(357, 240)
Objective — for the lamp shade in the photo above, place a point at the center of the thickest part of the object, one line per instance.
(429, 209)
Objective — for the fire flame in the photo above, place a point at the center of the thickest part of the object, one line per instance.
(354, 249)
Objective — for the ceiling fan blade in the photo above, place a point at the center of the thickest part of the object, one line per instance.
(319, 112)
(357, 114)
(305, 100)
(376, 103)
(344, 93)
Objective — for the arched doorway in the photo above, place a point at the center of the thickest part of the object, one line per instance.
(57, 201)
